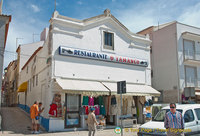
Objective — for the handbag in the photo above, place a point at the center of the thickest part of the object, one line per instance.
(37, 117)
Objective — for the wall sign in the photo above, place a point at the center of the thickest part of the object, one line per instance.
(101, 56)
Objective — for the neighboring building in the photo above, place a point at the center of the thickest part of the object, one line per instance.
(84, 59)
(175, 58)
(4, 25)
(9, 83)
(26, 50)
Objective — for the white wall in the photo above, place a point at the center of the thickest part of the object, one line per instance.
(42, 91)
(27, 50)
(181, 28)
(92, 39)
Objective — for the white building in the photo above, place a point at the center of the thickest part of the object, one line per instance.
(175, 59)
(4, 25)
(84, 59)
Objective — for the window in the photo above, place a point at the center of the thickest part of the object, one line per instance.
(189, 116)
(30, 85)
(160, 116)
(190, 76)
(33, 81)
(189, 49)
(27, 69)
(36, 80)
(108, 40)
(197, 111)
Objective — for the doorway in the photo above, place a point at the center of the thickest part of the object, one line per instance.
(72, 117)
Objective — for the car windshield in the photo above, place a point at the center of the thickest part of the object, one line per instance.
(160, 116)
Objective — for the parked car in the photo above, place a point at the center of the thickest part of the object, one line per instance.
(190, 112)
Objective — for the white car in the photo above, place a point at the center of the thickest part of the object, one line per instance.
(190, 112)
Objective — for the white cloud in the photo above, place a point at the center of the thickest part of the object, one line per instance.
(191, 16)
(143, 15)
(80, 2)
(35, 8)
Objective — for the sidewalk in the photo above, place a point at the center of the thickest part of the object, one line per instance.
(17, 122)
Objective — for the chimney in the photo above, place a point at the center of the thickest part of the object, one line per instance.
(43, 35)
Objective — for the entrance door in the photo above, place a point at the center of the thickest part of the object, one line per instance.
(72, 117)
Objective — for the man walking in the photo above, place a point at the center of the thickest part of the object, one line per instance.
(174, 122)
(34, 117)
(92, 122)
(40, 118)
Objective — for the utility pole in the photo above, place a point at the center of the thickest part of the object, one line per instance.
(55, 6)
(34, 37)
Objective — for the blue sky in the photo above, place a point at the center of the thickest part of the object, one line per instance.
(32, 16)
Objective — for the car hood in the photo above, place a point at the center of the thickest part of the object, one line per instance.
(153, 125)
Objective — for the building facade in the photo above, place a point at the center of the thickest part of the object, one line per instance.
(78, 67)
(175, 60)
(4, 25)
(10, 85)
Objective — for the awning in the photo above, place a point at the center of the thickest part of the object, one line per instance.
(23, 87)
(133, 89)
(82, 87)
(197, 93)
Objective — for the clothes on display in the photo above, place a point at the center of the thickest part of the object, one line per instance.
(97, 110)
(113, 100)
(102, 110)
(86, 109)
(53, 110)
(100, 100)
(85, 100)
(91, 101)
(96, 101)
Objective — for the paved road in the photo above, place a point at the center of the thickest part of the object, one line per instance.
(16, 122)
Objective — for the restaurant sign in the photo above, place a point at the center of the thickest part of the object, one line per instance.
(101, 56)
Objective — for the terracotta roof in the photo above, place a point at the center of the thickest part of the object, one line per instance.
(32, 57)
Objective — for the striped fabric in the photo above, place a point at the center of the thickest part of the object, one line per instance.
(173, 120)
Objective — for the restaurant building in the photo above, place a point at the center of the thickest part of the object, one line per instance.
(78, 67)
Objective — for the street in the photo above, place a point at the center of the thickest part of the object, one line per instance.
(16, 122)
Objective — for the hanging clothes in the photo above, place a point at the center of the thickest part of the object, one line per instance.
(86, 110)
(96, 101)
(97, 110)
(113, 100)
(85, 100)
(91, 101)
(102, 110)
(101, 100)
(129, 105)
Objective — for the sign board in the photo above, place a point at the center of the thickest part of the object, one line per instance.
(121, 87)
(66, 51)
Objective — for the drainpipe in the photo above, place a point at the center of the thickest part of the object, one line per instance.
(177, 58)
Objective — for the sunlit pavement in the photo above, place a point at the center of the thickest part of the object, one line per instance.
(16, 122)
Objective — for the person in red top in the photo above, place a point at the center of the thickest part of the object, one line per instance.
(34, 117)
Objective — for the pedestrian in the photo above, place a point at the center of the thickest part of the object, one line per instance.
(34, 117)
(40, 118)
(174, 123)
(92, 122)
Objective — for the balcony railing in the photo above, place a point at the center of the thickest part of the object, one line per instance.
(191, 55)
(192, 82)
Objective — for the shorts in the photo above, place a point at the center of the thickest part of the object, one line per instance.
(34, 121)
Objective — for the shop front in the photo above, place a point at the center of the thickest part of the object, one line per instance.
(81, 95)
